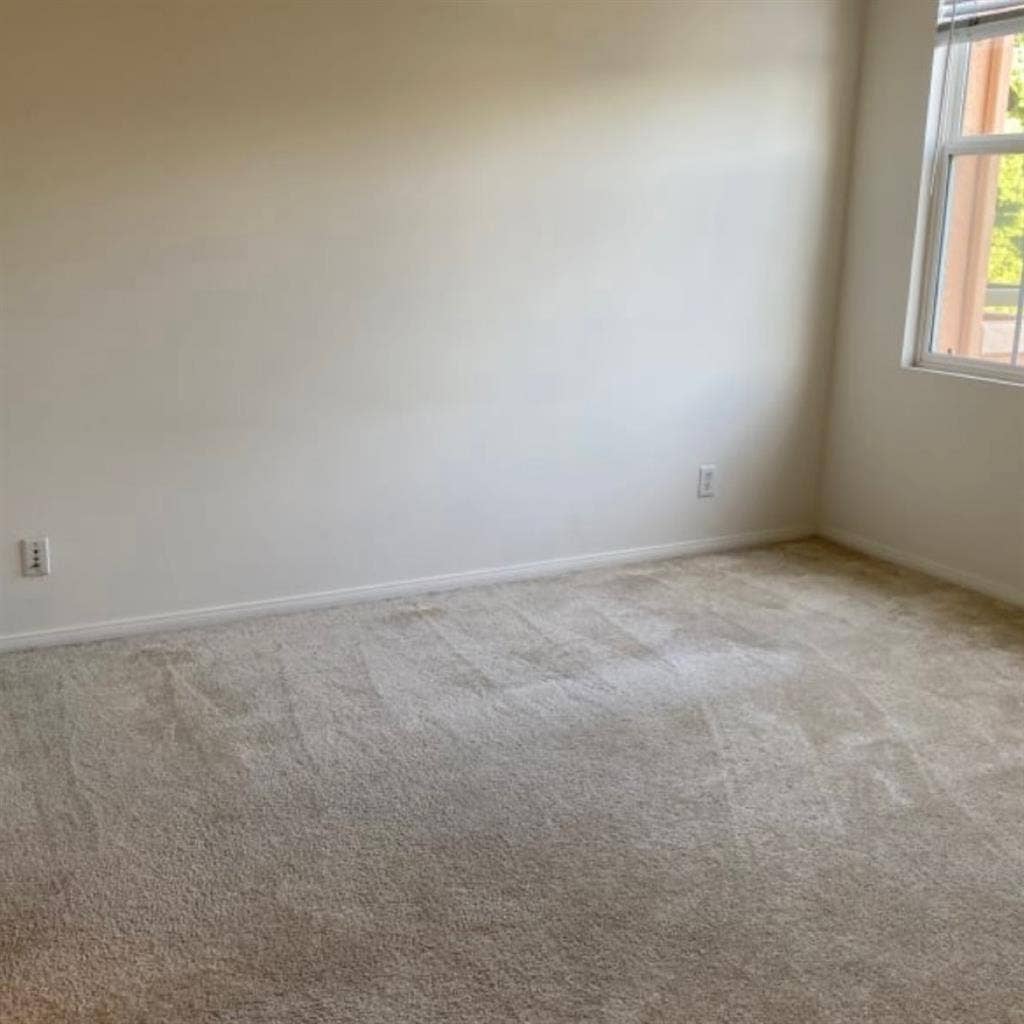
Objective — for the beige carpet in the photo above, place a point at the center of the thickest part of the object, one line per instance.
(784, 785)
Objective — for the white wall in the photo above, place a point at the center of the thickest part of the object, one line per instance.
(920, 466)
(301, 296)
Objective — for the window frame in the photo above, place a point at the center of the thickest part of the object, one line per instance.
(944, 142)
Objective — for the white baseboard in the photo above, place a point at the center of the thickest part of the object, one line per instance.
(972, 581)
(377, 591)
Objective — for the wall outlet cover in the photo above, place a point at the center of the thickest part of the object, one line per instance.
(706, 481)
(35, 557)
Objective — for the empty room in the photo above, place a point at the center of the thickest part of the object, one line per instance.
(511, 512)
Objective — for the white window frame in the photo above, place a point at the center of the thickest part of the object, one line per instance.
(943, 143)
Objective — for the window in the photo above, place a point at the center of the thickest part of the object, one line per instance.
(973, 284)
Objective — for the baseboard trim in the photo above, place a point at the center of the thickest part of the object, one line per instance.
(167, 621)
(972, 581)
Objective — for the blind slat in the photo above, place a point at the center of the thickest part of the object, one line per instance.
(968, 13)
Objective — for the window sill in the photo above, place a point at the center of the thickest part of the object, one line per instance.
(966, 369)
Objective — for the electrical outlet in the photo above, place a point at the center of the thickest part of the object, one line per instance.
(35, 557)
(706, 481)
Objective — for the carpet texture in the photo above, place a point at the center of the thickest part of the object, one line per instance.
(783, 785)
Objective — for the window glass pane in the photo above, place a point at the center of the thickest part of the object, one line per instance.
(994, 95)
(982, 260)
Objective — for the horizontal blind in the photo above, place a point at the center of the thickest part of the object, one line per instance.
(977, 14)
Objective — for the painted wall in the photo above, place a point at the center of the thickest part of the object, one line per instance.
(300, 296)
(921, 466)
